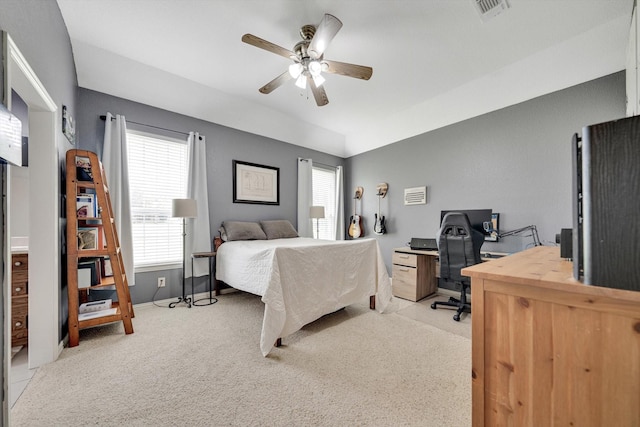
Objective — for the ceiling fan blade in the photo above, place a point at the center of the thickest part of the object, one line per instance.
(349, 70)
(275, 83)
(318, 93)
(326, 31)
(268, 46)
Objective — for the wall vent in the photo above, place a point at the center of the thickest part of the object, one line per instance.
(415, 196)
(490, 8)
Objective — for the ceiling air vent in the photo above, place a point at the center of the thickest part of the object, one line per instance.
(415, 196)
(490, 8)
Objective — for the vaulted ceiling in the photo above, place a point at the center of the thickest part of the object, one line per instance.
(434, 62)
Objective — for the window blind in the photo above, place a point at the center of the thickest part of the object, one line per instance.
(157, 174)
(324, 194)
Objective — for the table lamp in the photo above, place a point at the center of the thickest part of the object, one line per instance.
(316, 212)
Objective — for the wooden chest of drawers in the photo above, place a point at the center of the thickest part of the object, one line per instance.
(413, 274)
(19, 299)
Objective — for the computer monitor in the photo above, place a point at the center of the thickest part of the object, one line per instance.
(477, 218)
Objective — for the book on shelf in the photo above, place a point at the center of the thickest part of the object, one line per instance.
(86, 206)
(89, 272)
(83, 169)
(96, 314)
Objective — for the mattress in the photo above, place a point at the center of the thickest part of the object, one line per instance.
(302, 279)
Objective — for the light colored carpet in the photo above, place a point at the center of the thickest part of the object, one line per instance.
(203, 367)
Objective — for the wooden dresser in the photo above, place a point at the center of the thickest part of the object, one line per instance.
(414, 273)
(548, 350)
(19, 299)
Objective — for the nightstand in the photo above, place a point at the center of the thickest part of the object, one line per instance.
(212, 259)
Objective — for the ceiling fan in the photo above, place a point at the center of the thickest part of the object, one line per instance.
(308, 60)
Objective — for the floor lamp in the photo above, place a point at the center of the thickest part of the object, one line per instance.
(316, 212)
(183, 208)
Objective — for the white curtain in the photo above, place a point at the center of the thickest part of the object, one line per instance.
(339, 203)
(198, 237)
(305, 197)
(114, 161)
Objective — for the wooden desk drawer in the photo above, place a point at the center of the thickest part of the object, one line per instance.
(405, 259)
(405, 274)
(404, 283)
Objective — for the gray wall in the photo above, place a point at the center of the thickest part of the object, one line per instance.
(38, 30)
(222, 145)
(516, 161)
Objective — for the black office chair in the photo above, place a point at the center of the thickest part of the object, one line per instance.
(459, 246)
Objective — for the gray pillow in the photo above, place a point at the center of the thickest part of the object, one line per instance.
(278, 229)
(240, 230)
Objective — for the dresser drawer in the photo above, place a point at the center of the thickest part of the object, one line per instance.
(19, 320)
(402, 258)
(19, 289)
(19, 268)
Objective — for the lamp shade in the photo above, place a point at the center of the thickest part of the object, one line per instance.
(316, 212)
(184, 208)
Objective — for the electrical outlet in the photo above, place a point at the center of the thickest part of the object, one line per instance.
(161, 282)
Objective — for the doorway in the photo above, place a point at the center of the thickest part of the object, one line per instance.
(42, 217)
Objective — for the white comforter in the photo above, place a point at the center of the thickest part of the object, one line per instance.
(302, 279)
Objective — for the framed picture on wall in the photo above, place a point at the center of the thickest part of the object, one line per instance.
(253, 183)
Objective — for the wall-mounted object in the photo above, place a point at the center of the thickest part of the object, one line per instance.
(68, 125)
(382, 189)
(253, 183)
(379, 227)
(415, 196)
(10, 137)
(359, 192)
(356, 228)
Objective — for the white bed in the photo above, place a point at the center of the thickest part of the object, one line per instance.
(302, 279)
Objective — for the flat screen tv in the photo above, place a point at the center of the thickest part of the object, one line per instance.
(477, 218)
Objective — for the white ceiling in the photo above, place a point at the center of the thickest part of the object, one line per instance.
(435, 62)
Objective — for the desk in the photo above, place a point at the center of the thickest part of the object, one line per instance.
(549, 350)
(415, 273)
(212, 260)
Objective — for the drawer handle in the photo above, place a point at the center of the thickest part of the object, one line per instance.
(404, 256)
(18, 289)
(17, 263)
(404, 269)
(18, 324)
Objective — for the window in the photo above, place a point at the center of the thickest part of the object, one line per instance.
(157, 174)
(324, 194)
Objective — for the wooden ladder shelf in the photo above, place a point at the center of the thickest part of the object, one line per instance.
(97, 242)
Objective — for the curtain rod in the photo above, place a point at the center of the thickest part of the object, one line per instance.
(318, 163)
(151, 126)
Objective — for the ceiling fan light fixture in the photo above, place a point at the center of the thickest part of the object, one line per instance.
(302, 81)
(295, 70)
(315, 68)
(318, 80)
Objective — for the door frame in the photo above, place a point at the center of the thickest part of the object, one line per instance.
(44, 212)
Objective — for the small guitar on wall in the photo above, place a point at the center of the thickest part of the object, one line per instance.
(355, 223)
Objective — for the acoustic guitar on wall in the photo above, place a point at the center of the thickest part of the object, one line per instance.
(355, 223)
